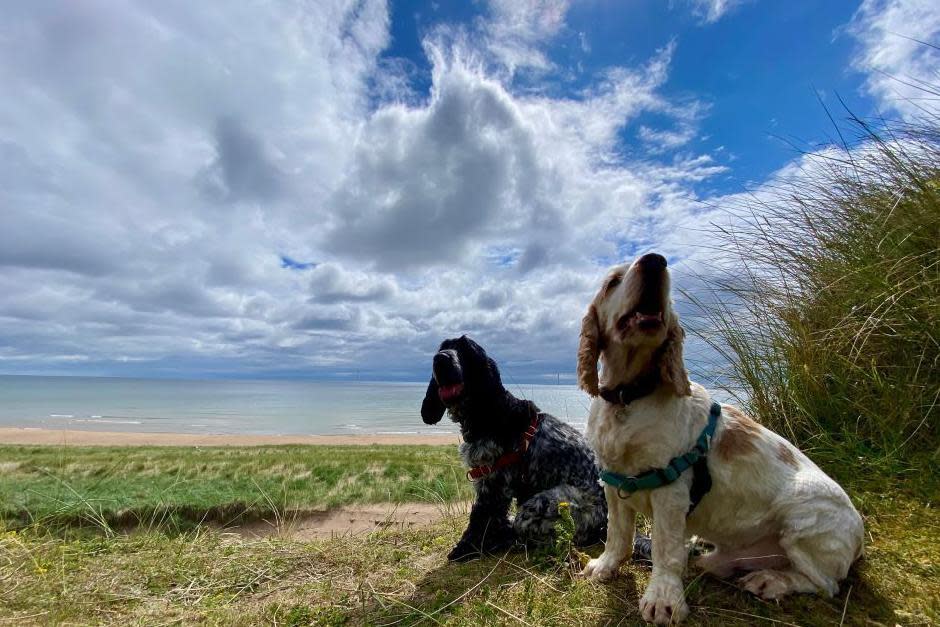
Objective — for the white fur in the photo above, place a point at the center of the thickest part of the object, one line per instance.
(770, 509)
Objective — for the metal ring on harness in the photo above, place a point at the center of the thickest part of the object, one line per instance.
(621, 492)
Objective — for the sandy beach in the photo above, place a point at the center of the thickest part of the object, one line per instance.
(71, 437)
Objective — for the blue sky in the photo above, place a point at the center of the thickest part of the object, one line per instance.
(328, 189)
(761, 70)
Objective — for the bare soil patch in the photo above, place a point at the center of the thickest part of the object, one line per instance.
(342, 521)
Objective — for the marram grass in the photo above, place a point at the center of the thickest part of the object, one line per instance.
(828, 312)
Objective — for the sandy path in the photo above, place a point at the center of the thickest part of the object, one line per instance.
(348, 520)
(18, 435)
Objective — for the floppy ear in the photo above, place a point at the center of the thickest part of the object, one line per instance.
(432, 409)
(588, 352)
(671, 366)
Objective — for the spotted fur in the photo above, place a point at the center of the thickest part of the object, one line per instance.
(557, 467)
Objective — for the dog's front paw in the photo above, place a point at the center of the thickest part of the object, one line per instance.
(663, 602)
(464, 552)
(602, 568)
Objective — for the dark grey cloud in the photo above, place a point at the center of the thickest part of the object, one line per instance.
(244, 168)
(426, 183)
(329, 283)
(331, 319)
(492, 298)
(30, 239)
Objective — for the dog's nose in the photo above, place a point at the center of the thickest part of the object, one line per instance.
(444, 358)
(652, 260)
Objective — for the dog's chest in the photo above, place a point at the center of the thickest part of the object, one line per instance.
(481, 453)
(624, 442)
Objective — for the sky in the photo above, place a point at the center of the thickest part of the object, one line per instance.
(328, 189)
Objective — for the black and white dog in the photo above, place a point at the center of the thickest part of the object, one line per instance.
(513, 451)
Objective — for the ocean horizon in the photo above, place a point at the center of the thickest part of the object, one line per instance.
(244, 406)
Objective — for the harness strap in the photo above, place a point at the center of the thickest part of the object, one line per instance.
(659, 477)
(512, 457)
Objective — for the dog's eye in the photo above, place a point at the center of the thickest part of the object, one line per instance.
(623, 321)
(613, 282)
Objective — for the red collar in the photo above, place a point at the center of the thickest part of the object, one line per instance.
(511, 457)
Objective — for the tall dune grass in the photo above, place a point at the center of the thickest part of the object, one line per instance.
(829, 314)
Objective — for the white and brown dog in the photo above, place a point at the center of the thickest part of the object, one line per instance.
(770, 511)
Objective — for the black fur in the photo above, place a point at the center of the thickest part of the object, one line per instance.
(558, 466)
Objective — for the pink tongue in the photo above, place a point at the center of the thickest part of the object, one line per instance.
(450, 391)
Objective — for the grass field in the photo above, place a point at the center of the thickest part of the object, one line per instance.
(168, 570)
(177, 487)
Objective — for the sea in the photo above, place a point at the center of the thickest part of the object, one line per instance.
(268, 407)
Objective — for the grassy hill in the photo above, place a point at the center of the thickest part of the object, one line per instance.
(168, 570)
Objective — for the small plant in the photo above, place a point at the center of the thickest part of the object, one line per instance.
(563, 553)
(299, 615)
(564, 532)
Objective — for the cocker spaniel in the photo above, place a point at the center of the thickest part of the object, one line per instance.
(513, 450)
(769, 511)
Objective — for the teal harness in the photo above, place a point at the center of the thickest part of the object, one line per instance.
(659, 477)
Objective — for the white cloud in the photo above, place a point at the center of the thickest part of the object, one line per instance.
(160, 159)
(710, 11)
(517, 29)
(898, 41)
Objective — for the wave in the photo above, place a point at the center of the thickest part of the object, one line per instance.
(109, 421)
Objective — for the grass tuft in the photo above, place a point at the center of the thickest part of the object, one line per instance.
(829, 315)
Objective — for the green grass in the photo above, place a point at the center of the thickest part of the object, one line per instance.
(165, 573)
(829, 314)
(119, 486)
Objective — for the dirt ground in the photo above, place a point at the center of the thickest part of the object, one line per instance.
(341, 521)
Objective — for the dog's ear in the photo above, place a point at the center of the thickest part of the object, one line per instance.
(432, 409)
(479, 368)
(588, 351)
(671, 365)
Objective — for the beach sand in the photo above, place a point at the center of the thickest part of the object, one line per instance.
(71, 437)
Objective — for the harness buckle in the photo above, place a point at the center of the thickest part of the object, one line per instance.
(627, 488)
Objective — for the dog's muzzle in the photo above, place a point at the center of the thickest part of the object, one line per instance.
(448, 374)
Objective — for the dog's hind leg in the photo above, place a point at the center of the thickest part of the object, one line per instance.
(817, 562)
(536, 517)
(821, 544)
(724, 562)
